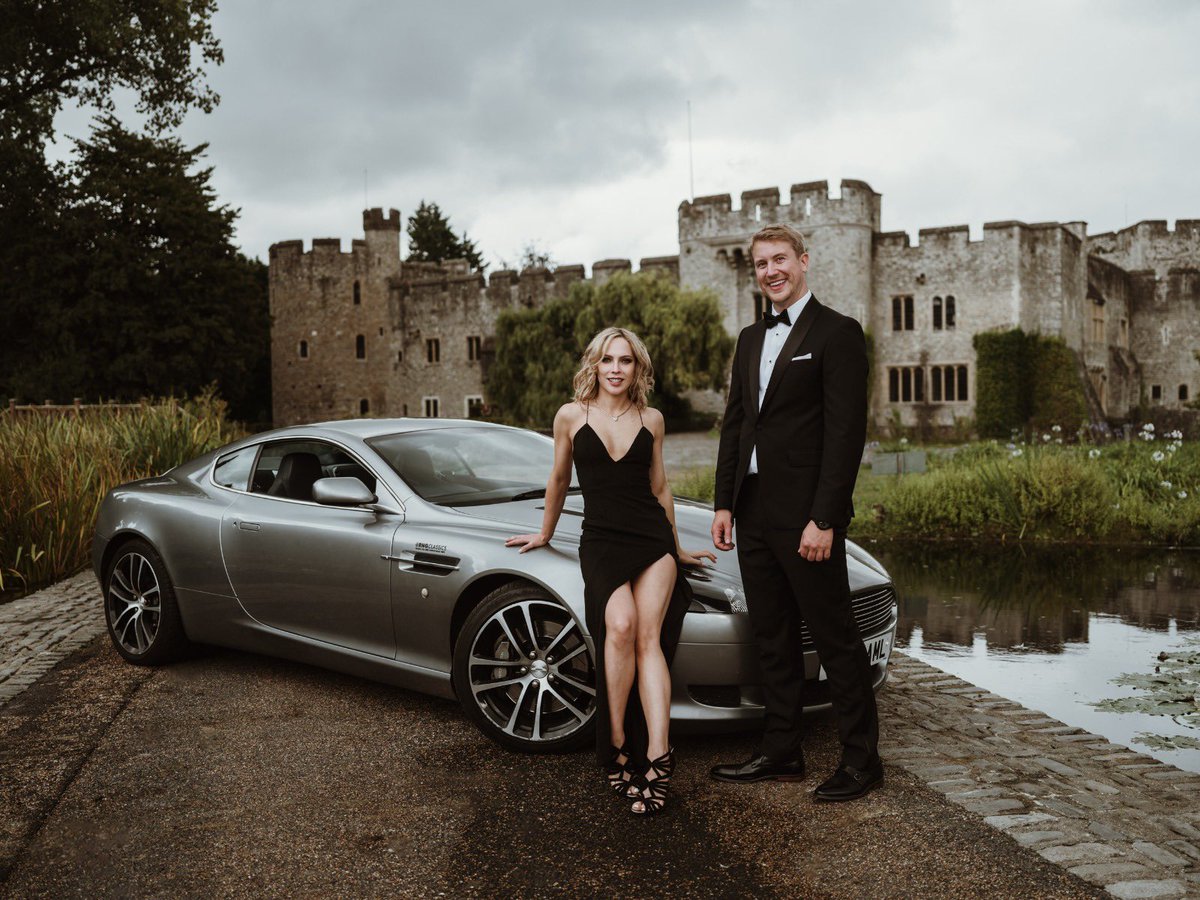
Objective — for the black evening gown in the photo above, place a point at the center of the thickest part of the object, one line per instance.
(625, 531)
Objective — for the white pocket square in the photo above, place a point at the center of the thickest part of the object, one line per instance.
(802, 356)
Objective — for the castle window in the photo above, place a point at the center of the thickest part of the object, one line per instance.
(431, 407)
(363, 406)
(304, 349)
(902, 313)
(357, 293)
(399, 356)
(433, 350)
(949, 313)
(906, 384)
(360, 347)
(1125, 333)
(760, 306)
(474, 407)
(474, 347)
(948, 377)
(1156, 392)
(1098, 321)
(937, 315)
(1183, 393)
(962, 384)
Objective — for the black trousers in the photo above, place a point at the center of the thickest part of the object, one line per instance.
(784, 591)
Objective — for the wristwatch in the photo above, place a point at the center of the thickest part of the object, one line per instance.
(824, 526)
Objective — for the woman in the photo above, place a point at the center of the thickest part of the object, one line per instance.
(635, 596)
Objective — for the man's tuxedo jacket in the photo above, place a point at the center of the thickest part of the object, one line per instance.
(812, 425)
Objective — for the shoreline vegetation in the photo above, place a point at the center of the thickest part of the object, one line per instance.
(55, 470)
(1043, 490)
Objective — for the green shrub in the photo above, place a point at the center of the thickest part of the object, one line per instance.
(1025, 380)
(54, 471)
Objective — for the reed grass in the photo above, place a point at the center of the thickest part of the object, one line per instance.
(55, 470)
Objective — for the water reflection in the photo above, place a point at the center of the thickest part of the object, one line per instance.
(1050, 627)
(1039, 600)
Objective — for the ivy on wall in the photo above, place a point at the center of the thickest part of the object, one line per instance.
(1025, 380)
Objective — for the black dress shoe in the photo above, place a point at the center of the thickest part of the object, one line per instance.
(760, 768)
(849, 783)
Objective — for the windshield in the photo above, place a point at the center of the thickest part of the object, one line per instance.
(471, 465)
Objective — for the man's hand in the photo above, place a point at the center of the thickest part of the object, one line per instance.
(815, 544)
(722, 529)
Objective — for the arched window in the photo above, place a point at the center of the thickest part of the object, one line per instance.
(1183, 392)
(949, 312)
(304, 349)
(937, 313)
(357, 293)
(360, 347)
(363, 406)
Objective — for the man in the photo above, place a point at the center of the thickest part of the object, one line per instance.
(791, 444)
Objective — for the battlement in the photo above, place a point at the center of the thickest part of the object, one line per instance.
(374, 220)
(809, 206)
(996, 236)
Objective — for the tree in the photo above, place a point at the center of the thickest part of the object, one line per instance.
(84, 51)
(155, 299)
(431, 239)
(538, 350)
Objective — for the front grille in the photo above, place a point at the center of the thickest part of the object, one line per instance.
(872, 610)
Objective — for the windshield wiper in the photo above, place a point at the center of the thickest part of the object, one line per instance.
(537, 493)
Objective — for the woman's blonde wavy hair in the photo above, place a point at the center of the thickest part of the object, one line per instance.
(587, 382)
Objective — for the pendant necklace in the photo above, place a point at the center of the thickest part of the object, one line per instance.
(621, 413)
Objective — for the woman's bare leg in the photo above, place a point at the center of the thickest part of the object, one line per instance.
(651, 595)
(620, 666)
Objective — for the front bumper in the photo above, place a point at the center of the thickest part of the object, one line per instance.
(715, 676)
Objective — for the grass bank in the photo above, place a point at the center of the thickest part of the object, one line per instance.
(1141, 491)
(55, 470)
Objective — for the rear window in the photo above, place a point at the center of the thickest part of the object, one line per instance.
(233, 469)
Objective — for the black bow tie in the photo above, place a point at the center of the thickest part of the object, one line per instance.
(773, 320)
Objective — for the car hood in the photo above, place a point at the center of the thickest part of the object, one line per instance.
(693, 521)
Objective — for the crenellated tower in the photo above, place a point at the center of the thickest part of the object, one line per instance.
(714, 241)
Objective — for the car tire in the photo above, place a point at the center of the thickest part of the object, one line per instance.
(532, 695)
(139, 606)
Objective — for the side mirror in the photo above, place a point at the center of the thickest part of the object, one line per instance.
(344, 491)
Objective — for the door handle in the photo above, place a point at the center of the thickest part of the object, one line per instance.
(249, 526)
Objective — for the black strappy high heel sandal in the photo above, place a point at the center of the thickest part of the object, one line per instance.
(654, 793)
(620, 775)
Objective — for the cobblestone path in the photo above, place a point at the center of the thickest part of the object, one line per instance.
(1110, 815)
(39, 630)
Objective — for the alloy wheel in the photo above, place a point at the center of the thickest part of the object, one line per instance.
(134, 603)
(531, 671)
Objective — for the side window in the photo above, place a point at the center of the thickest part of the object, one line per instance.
(288, 469)
(233, 469)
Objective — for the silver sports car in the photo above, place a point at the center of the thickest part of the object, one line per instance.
(376, 547)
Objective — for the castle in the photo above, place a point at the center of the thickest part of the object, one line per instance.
(362, 333)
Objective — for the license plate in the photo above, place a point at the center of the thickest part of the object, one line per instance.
(879, 648)
(877, 652)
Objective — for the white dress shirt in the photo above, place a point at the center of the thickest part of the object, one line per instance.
(772, 346)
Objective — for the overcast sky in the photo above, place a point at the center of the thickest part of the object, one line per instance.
(566, 124)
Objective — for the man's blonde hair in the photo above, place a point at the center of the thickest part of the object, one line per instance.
(785, 233)
(587, 382)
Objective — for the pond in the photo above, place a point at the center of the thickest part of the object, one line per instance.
(1052, 627)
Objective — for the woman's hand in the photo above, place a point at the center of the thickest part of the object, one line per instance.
(693, 557)
(527, 541)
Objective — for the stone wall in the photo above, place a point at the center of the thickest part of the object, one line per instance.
(316, 371)
(1127, 302)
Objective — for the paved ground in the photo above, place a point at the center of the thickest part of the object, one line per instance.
(234, 774)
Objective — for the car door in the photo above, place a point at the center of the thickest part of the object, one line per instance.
(322, 572)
